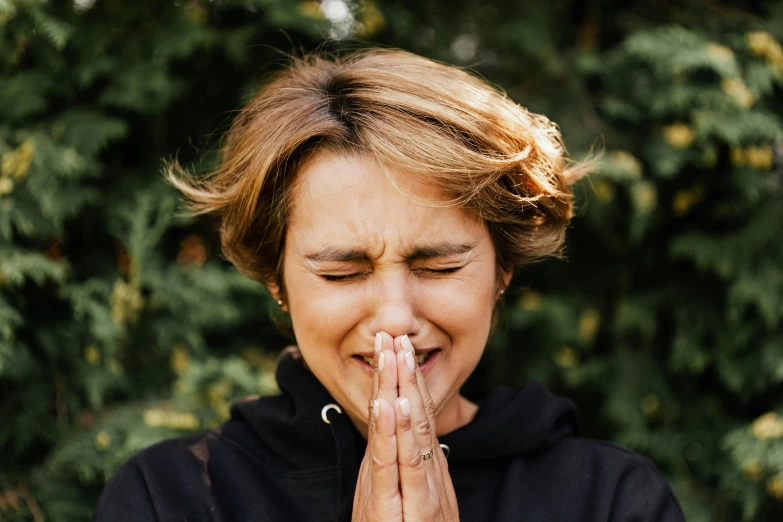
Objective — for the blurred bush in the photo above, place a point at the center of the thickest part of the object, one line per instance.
(121, 326)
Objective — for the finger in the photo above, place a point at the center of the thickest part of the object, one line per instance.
(378, 347)
(384, 475)
(386, 368)
(397, 344)
(407, 368)
(429, 404)
(378, 344)
(413, 469)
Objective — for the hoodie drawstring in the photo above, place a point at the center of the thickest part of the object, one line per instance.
(346, 460)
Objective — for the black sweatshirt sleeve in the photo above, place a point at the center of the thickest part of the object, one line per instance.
(126, 498)
(644, 495)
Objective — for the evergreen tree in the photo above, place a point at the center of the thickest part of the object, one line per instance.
(120, 325)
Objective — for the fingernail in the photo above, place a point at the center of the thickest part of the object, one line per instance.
(406, 343)
(405, 408)
(378, 342)
(375, 408)
(409, 361)
(381, 359)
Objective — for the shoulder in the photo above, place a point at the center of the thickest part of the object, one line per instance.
(150, 484)
(623, 484)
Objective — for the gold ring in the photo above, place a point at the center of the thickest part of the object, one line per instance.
(427, 456)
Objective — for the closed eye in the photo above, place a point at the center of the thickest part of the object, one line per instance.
(438, 271)
(346, 277)
(361, 275)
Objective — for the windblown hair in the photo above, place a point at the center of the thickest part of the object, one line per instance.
(433, 122)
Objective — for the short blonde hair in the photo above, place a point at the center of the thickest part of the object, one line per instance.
(434, 122)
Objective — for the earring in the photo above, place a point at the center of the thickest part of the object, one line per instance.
(502, 291)
(280, 303)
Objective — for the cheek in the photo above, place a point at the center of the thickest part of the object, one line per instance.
(321, 316)
(464, 304)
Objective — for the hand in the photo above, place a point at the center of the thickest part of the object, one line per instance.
(427, 492)
(378, 497)
(395, 483)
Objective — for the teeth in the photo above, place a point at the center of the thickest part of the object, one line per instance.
(420, 358)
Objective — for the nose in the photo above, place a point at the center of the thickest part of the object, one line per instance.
(394, 303)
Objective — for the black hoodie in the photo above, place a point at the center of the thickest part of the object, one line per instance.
(277, 460)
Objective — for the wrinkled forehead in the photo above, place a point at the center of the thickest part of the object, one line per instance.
(349, 198)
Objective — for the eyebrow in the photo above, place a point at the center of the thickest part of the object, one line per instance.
(352, 255)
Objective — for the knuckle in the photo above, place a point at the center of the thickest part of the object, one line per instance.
(380, 464)
(414, 462)
(429, 406)
(433, 510)
(423, 426)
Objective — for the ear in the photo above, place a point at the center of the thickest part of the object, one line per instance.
(277, 294)
(506, 278)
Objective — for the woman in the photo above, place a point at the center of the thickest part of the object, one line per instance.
(385, 200)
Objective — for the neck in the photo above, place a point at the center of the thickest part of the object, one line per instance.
(455, 414)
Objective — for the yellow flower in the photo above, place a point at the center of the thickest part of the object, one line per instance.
(737, 156)
(650, 404)
(678, 135)
(126, 302)
(764, 45)
(604, 191)
(16, 163)
(154, 417)
(311, 9)
(589, 322)
(102, 440)
(197, 13)
(761, 42)
(6, 186)
(182, 421)
(180, 360)
(775, 487)
(566, 357)
(737, 89)
(685, 199)
(171, 419)
(721, 52)
(644, 196)
(753, 470)
(627, 162)
(530, 300)
(372, 19)
(92, 354)
(222, 410)
(759, 157)
(767, 426)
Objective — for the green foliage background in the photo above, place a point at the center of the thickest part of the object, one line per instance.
(120, 325)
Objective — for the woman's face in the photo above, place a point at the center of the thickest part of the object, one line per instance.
(361, 257)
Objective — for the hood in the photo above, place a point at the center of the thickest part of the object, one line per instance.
(513, 422)
(291, 428)
(509, 422)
